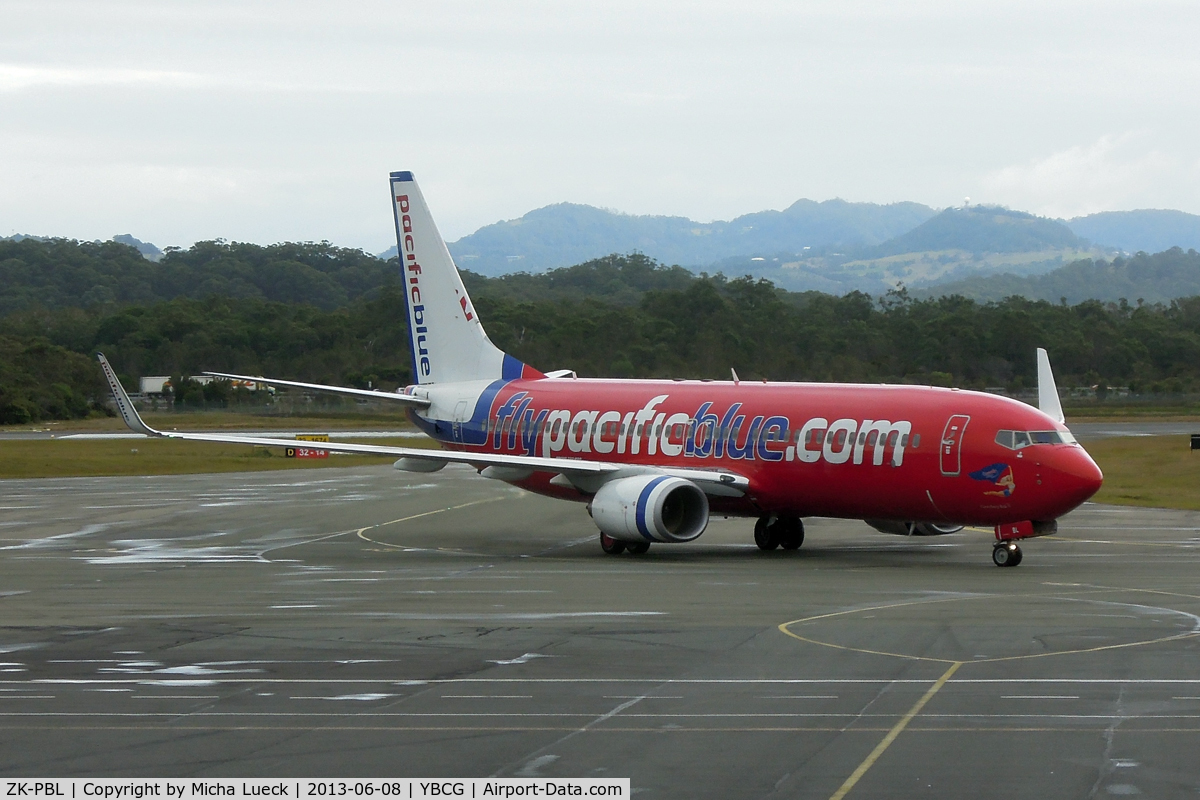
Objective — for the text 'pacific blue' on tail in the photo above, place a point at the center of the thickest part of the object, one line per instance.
(447, 340)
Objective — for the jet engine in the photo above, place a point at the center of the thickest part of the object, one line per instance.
(913, 528)
(646, 508)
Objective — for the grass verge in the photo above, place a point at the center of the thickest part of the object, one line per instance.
(1158, 471)
(61, 458)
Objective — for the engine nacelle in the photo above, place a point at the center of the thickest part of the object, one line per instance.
(913, 528)
(650, 508)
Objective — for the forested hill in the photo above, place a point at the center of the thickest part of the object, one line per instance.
(699, 330)
(56, 273)
(1157, 278)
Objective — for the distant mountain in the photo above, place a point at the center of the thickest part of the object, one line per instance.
(1147, 230)
(956, 243)
(148, 251)
(567, 233)
(1157, 278)
(981, 229)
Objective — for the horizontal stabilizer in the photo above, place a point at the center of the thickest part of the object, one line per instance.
(320, 387)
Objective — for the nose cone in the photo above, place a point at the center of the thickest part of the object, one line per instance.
(1079, 477)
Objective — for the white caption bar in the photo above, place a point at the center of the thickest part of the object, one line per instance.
(301, 788)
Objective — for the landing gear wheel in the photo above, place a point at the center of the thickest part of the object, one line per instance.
(610, 545)
(765, 534)
(792, 535)
(638, 548)
(1006, 554)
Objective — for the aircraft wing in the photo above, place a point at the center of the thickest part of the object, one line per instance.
(585, 475)
(320, 387)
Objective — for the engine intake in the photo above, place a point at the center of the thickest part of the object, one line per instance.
(913, 528)
(650, 508)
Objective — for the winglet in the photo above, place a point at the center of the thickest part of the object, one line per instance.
(124, 404)
(1048, 400)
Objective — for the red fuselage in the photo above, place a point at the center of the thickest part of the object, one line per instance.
(808, 449)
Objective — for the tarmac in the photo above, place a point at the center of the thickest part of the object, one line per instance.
(370, 623)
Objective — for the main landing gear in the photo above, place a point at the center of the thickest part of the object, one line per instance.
(614, 547)
(1006, 554)
(785, 532)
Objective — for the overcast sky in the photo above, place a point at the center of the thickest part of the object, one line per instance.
(270, 121)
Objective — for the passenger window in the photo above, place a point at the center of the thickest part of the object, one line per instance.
(840, 440)
(871, 437)
(916, 441)
(892, 437)
(904, 440)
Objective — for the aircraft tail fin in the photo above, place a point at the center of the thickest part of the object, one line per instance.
(1048, 401)
(447, 339)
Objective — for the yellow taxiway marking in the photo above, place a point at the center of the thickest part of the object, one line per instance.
(785, 628)
(954, 665)
(893, 733)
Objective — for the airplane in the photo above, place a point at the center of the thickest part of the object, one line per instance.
(653, 460)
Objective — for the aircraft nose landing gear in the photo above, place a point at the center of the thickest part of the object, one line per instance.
(1006, 554)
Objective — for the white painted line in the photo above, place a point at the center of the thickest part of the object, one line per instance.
(513, 616)
(361, 697)
(487, 697)
(1039, 697)
(263, 679)
(566, 714)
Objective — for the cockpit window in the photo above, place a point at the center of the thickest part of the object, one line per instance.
(1015, 440)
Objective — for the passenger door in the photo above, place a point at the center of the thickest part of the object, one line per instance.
(951, 446)
(460, 411)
